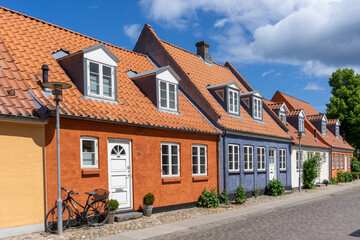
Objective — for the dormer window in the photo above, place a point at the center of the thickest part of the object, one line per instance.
(301, 124)
(282, 117)
(233, 102)
(168, 96)
(101, 80)
(323, 127)
(257, 111)
(337, 130)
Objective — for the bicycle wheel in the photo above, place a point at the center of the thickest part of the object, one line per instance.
(51, 218)
(97, 213)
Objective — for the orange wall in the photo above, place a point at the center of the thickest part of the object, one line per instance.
(146, 161)
(334, 172)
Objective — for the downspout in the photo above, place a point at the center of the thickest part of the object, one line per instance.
(224, 158)
(219, 164)
(330, 162)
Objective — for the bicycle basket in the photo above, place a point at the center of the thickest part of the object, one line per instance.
(101, 194)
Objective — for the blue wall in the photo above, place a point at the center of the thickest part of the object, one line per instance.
(250, 180)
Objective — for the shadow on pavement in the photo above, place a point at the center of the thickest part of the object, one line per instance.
(355, 234)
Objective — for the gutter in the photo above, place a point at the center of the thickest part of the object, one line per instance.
(23, 119)
(270, 137)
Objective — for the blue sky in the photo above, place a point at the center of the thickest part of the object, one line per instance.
(292, 46)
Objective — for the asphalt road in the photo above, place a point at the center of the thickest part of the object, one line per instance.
(336, 216)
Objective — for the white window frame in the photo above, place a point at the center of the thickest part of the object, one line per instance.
(337, 131)
(170, 159)
(342, 161)
(232, 153)
(168, 108)
(301, 124)
(247, 160)
(323, 128)
(349, 159)
(257, 108)
(337, 161)
(101, 81)
(332, 161)
(297, 160)
(261, 159)
(236, 107)
(198, 146)
(282, 117)
(95, 140)
(272, 157)
(346, 161)
(282, 159)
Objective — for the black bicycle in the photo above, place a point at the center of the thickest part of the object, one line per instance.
(95, 212)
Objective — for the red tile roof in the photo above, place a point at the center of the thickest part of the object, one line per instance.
(203, 75)
(294, 103)
(316, 117)
(27, 43)
(332, 121)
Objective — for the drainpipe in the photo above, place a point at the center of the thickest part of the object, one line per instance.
(219, 164)
(330, 166)
(224, 158)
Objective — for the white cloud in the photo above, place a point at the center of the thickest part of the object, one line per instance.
(313, 87)
(132, 31)
(317, 36)
(267, 73)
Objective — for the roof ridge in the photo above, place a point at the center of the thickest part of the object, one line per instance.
(293, 97)
(65, 29)
(183, 49)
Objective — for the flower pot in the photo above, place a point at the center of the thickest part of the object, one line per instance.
(326, 183)
(147, 210)
(111, 217)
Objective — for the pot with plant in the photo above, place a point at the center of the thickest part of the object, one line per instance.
(148, 202)
(326, 182)
(113, 205)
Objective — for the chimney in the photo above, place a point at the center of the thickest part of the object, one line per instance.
(203, 50)
(314, 133)
(45, 69)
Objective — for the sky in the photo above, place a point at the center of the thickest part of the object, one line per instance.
(288, 45)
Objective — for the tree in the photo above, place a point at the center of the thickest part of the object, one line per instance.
(311, 170)
(345, 103)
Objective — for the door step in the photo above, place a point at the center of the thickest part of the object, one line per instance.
(287, 192)
(124, 216)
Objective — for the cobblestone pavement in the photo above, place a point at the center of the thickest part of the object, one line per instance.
(163, 218)
(334, 217)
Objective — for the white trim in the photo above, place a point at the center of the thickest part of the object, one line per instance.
(301, 123)
(26, 229)
(170, 160)
(198, 146)
(333, 161)
(257, 108)
(101, 80)
(234, 170)
(95, 139)
(248, 169)
(282, 168)
(167, 90)
(263, 155)
(236, 108)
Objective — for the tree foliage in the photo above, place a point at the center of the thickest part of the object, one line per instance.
(311, 169)
(345, 103)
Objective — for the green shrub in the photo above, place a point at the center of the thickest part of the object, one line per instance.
(149, 199)
(240, 195)
(224, 197)
(113, 204)
(355, 165)
(311, 169)
(256, 192)
(341, 176)
(348, 177)
(354, 175)
(325, 181)
(208, 199)
(334, 181)
(274, 188)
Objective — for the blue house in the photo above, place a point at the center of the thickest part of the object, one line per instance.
(254, 146)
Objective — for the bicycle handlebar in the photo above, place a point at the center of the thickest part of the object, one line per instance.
(70, 192)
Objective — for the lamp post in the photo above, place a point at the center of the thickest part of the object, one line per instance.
(299, 137)
(57, 93)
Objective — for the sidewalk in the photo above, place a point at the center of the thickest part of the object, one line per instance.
(242, 213)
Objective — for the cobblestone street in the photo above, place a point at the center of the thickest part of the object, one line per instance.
(336, 216)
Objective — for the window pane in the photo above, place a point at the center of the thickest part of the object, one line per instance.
(107, 81)
(194, 150)
(174, 169)
(171, 88)
(172, 104)
(172, 96)
(195, 169)
(202, 169)
(88, 159)
(163, 103)
(164, 149)
(202, 160)
(88, 146)
(94, 67)
(165, 170)
(174, 150)
(165, 159)
(162, 86)
(107, 91)
(163, 94)
(106, 71)
(94, 83)
(236, 164)
(194, 158)
(174, 159)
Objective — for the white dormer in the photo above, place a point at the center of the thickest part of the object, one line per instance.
(161, 86)
(301, 120)
(100, 71)
(233, 91)
(323, 125)
(337, 129)
(283, 111)
(257, 106)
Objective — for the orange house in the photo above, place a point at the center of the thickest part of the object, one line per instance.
(125, 125)
(341, 152)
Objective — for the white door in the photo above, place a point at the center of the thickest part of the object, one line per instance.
(272, 164)
(346, 162)
(120, 185)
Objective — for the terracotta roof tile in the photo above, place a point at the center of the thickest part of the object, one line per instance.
(295, 112)
(316, 117)
(27, 43)
(203, 75)
(332, 121)
(294, 103)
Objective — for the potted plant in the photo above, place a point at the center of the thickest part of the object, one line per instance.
(113, 205)
(148, 202)
(326, 182)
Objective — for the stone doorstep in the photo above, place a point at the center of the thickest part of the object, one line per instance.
(287, 192)
(121, 217)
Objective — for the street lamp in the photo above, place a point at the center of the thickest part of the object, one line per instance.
(299, 137)
(57, 93)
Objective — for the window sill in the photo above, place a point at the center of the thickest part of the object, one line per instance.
(200, 178)
(234, 172)
(261, 171)
(283, 170)
(248, 171)
(87, 172)
(172, 180)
